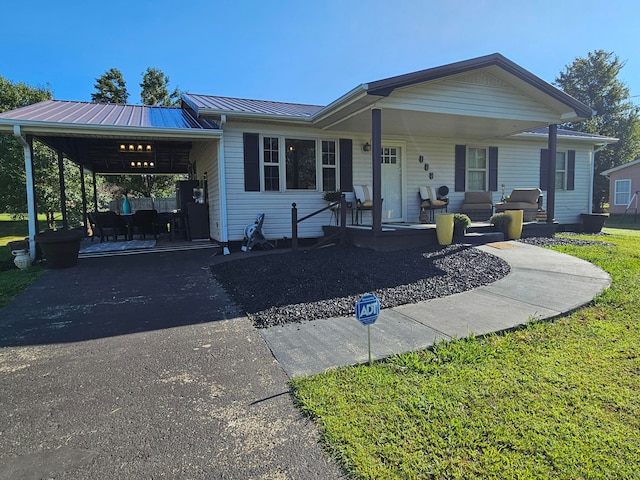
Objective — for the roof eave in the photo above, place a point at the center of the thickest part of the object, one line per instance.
(65, 129)
(592, 140)
(231, 114)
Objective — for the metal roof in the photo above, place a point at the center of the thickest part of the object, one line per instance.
(107, 114)
(209, 104)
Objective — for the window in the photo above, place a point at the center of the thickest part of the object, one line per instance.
(301, 164)
(389, 155)
(477, 169)
(271, 164)
(329, 176)
(561, 170)
(622, 195)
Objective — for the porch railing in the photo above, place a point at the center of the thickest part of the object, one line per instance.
(341, 234)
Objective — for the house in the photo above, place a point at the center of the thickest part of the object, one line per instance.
(624, 187)
(475, 125)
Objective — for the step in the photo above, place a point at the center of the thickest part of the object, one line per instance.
(476, 238)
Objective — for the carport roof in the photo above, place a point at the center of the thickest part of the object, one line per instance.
(91, 133)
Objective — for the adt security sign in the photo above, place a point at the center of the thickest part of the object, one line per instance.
(367, 309)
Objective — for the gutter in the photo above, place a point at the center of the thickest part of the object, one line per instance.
(31, 201)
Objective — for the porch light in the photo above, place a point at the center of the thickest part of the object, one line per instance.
(366, 147)
(136, 148)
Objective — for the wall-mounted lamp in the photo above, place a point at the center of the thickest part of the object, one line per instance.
(366, 147)
(142, 165)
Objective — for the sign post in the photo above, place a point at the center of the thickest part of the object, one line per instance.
(367, 311)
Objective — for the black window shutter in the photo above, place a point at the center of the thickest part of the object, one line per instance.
(571, 170)
(251, 162)
(544, 169)
(460, 167)
(346, 164)
(493, 169)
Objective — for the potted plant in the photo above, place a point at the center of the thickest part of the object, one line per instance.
(333, 196)
(501, 222)
(460, 224)
(60, 247)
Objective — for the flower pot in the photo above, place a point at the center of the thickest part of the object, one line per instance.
(21, 259)
(592, 222)
(514, 231)
(60, 247)
(444, 228)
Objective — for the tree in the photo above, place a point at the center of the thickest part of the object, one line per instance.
(155, 91)
(111, 88)
(13, 196)
(594, 81)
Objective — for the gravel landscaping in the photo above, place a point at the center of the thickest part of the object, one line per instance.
(280, 288)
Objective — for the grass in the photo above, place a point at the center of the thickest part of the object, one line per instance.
(12, 280)
(552, 400)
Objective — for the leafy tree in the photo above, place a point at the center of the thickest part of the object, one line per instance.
(155, 89)
(13, 197)
(594, 81)
(111, 88)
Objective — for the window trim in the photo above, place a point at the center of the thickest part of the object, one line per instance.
(563, 171)
(615, 192)
(282, 161)
(468, 169)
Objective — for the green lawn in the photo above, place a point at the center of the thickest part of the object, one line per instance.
(13, 281)
(553, 400)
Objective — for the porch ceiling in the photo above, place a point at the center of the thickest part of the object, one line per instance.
(101, 155)
(414, 123)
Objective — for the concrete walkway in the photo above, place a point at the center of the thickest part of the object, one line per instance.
(542, 284)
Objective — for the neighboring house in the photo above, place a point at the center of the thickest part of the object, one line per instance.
(624, 187)
(472, 125)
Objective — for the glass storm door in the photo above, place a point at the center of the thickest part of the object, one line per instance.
(391, 185)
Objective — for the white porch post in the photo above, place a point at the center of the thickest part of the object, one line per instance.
(223, 190)
(31, 195)
(551, 179)
(376, 167)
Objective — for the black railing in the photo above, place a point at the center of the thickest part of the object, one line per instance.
(340, 205)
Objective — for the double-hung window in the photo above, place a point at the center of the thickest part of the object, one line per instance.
(561, 170)
(622, 195)
(329, 182)
(297, 164)
(271, 162)
(477, 169)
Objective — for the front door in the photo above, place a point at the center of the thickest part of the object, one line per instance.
(391, 184)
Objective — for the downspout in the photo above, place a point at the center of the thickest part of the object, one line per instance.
(593, 174)
(223, 189)
(31, 202)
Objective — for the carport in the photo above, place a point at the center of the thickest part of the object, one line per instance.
(106, 139)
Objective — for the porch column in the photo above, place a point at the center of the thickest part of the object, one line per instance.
(63, 191)
(376, 167)
(32, 214)
(83, 189)
(95, 192)
(551, 179)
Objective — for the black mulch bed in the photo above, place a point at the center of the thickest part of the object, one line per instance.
(280, 288)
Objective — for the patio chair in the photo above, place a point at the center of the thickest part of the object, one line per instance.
(106, 224)
(363, 196)
(147, 223)
(525, 199)
(478, 206)
(429, 203)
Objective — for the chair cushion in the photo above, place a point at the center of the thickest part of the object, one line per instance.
(363, 194)
(477, 197)
(426, 193)
(438, 203)
(526, 195)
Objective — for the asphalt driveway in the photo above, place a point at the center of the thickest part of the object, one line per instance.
(140, 367)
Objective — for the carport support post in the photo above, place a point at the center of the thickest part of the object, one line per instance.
(83, 188)
(95, 192)
(63, 191)
(376, 167)
(551, 179)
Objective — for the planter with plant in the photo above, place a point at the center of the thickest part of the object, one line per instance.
(332, 197)
(460, 224)
(501, 222)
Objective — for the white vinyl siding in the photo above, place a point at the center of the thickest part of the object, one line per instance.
(622, 194)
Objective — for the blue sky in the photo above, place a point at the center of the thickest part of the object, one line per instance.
(303, 51)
